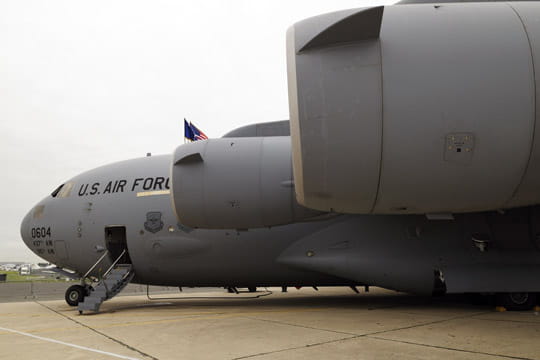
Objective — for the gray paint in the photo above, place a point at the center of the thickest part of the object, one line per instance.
(273, 128)
(358, 26)
(529, 188)
(235, 183)
(395, 251)
(333, 144)
(457, 77)
(364, 147)
(208, 257)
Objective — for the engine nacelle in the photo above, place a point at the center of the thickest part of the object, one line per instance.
(235, 183)
(416, 109)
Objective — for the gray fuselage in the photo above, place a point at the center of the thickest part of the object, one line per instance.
(162, 251)
(477, 252)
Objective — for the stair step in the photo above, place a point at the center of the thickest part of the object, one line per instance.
(107, 288)
(115, 277)
(118, 273)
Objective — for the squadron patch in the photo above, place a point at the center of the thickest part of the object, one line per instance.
(153, 222)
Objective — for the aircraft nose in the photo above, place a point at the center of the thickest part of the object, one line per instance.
(32, 219)
(25, 228)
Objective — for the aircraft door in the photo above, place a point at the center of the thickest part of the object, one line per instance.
(60, 250)
(116, 242)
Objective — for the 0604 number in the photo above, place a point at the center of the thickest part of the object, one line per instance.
(41, 232)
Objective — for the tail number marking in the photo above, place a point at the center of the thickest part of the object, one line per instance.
(41, 232)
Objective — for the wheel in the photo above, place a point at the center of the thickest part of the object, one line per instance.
(517, 301)
(75, 294)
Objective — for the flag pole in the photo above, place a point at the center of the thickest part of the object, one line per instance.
(184, 130)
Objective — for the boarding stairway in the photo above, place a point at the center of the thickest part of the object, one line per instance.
(111, 284)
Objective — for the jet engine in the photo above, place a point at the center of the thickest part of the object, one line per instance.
(236, 183)
(428, 108)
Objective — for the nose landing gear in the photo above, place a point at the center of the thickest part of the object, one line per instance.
(76, 294)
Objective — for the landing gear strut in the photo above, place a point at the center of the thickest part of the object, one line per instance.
(75, 294)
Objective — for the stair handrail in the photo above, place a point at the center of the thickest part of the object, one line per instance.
(94, 266)
(114, 264)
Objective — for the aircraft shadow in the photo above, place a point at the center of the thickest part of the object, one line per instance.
(362, 301)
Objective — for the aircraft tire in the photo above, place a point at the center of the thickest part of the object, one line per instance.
(75, 294)
(517, 301)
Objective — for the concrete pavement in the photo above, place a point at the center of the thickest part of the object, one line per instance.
(331, 323)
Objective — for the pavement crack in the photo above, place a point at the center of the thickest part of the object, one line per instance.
(449, 348)
(296, 347)
(98, 332)
(425, 323)
(511, 321)
(370, 335)
(301, 326)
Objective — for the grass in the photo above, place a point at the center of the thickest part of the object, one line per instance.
(13, 276)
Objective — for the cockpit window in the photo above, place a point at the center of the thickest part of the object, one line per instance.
(63, 190)
(57, 190)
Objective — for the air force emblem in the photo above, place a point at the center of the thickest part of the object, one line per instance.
(153, 222)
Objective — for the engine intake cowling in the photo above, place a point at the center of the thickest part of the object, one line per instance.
(235, 183)
(416, 109)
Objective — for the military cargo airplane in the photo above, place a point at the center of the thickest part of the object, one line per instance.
(410, 162)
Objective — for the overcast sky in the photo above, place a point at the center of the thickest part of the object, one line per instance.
(86, 83)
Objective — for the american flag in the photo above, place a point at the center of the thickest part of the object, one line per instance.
(197, 134)
(191, 132)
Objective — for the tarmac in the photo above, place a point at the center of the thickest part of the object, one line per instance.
(333, 323)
